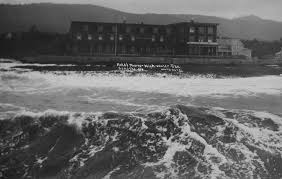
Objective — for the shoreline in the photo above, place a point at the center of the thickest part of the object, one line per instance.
(216, 71)
(132, 66)
(181, 60)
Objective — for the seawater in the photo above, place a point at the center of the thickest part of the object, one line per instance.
(116, 124)
(104, 91)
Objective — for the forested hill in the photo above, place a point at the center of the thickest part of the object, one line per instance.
(57, 17)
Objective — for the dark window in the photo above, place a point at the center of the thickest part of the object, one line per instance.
(210, 30)
(168, 30)
(100, 28)
(142, 30)
(202, 30)
(156, 30)
(85, 28)
(113, 28)
(128, 29)
(191, 38)
(132, 49)
(123, 49)
(108, 49)
(100, 49)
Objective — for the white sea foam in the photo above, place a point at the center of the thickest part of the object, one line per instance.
(7, 110)
(180, 86)
(265, 138)
(192, 86)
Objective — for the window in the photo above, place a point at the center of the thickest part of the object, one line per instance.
(201, 39)
(100, 28)
(128, 30)
(201, 30)
(108, 49)
(191, 38)
(100, 49)
(210, 39)
(132, 38)
(112, 37)
(113, 28)
(120, 37)
(132, 49)
(142, 30)
(192, 30)
(153, 38)
(100, 37)
(123, 49)
(161, 39)
(155, 30)
(89, 37)
(168, 30)
(210, 30)
(78, 37)
(182, 30)
(85, 28)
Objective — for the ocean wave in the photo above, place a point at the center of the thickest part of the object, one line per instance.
(192, 86)
(176, 142)
(179, 86)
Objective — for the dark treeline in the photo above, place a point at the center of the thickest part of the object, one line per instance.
(263, 49)
(32, 43)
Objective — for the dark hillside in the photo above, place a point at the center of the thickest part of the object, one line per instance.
(57, 17)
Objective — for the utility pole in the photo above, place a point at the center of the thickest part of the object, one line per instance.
(116, 34)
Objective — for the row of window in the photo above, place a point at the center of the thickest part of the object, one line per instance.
(145, 50)
(128, 29)
(201, 30)
(155, 30)
(123, 49)
(120, 37)
(153, 39)
(201, 39)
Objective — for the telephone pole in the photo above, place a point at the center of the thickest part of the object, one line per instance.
(116, 34)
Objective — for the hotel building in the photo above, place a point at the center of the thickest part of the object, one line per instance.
(123, 39)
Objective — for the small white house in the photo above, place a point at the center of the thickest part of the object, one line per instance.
(232, 47)
(278, 55)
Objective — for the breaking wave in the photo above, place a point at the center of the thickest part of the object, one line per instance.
(175, 85)
(177, 142)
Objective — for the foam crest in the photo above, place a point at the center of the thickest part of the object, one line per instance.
(192, 86)
(185, 85)
(180, 141)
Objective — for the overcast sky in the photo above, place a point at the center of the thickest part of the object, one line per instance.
(268, 9)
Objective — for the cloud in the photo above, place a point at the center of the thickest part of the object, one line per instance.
(269, 9)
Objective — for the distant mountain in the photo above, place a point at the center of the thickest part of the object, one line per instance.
(57, 18)
(249, 18)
